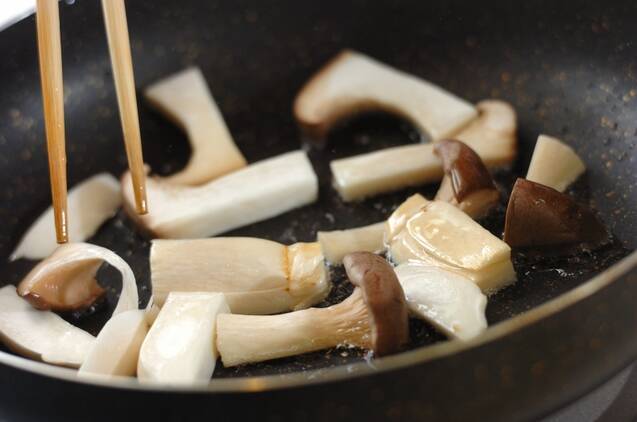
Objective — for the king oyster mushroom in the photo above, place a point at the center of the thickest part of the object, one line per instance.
(251, 194)
(562, 221)
(373, 317)
(439, 234)
(184, 98)
(257, 276)
(492, 136)
(90, 203)
(352, 82)
(467, 183)
(338, 243)
(180, 347)
(554, 164)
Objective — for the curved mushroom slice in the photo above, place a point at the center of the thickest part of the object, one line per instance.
(40, 335)
(452, 303)
(538, 215)
(554, 164)
(467, 183)
(116, 349)
(439, 234)
(185, 98)
(257, 276)
(90, 204)
(65, 281)
(180, 347)
(352, 82)
(492, 136)
(255, 193)
(373, 317)
(338, 243)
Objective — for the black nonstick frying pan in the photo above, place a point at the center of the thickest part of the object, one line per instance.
(570, 70)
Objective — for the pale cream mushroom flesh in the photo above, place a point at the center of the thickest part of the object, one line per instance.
(338, 243)
(259, 191)
(492, 136)
(554, 164)
(257, 276)
(352, 83)
(185, 98)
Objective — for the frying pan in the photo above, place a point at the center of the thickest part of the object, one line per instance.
(569, 68)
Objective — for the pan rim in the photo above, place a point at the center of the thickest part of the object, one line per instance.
(342, 372)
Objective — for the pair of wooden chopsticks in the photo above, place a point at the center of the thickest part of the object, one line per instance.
(50, 52)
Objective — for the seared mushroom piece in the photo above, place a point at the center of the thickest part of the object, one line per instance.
(352, 83)
(538, 215)
(492, 136)
(180, 346)
(65, 281)
(184, 98)
(90, 204)
(257, 192)
(373, 317)
(439, 234)
(554, 164)
(258, 276)
(338, 243)
(467, 183)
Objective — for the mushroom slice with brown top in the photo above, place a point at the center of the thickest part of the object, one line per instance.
(258, 276)
(373, 317)
(184, 98)
(40, 335)
(467, 183)
(352, 83)
(492, 136)
(90, 204)
(259, 191)
(554, 164)
(338, 243)
(65, 281)
(538, 215)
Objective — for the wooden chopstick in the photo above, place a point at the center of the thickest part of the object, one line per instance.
(50, 53)
(122, 63)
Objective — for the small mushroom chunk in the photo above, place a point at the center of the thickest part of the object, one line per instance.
(338, 243)
(467, 183)
(373, 317)
(185, 98)
(450, 302)
(538, 215)
(554, 164)
(257, 192)
(352, 83)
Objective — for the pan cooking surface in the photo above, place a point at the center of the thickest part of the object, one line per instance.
(256, 59)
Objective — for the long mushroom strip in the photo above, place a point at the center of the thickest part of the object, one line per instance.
(352, 82)
(373, 317)
(338, 243)
(492, 136)
(90, 203)
(439, 234)
(257, 276)
(554, 164)
(185, 98)
(254, 193)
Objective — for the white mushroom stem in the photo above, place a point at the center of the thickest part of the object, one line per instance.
(180, 347)
(439, 234)
(90, 204)
(352, 82)
(40, 335)
(338, 243)
(554, 164)
(492, 136)
(450, 302)
(245, 338)
(257, 276)
(185, 98)
(116, 349)
(255, 193)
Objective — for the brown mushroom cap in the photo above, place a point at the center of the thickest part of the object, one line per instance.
(384, 298)
(538, 215)
(467, 172)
